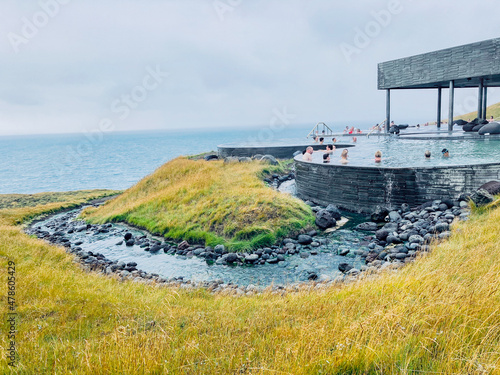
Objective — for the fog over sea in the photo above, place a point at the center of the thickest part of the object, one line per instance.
(114, 160)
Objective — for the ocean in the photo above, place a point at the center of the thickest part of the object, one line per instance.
(114, 160)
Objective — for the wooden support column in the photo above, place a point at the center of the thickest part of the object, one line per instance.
(480, 100)
(450, 110)
(388, 111)
(438, 122)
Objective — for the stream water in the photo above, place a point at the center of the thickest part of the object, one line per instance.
(293, 269)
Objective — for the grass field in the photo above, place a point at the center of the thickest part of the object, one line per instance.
(492, 110)
(440, 315)
(209, 203)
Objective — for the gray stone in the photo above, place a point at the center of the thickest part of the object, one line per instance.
(183, 245)
(231, 257)
(379, 214)
(441, 227)
(304, 239)
(211, 157)
(368, 226)
(443, 207)
(155, 249)
(198, 251)
(251, 258)
(304, 255)
(269, 159)
(394, 216)
(325, 220)
(392, 239)
(492, 187)
(481, 197)
(381, 234)
(219, 249)
(391, 227)
(334, 211)
(344, 267)
(416, 239)
(344, 252)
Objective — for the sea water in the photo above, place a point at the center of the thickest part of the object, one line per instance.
(117, 160)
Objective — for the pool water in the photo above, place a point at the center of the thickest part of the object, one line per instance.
(398, 152)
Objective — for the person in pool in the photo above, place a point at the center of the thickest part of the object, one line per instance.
(343, 156)
(378, 157)
(445, 152)
(334, 140)
(326, 158)
(308, 154)
(329, 149)
(427, 155)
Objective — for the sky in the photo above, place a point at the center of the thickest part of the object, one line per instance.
(69, 66)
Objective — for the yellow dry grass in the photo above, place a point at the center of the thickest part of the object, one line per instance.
(208, 202)
(440, 315)
(492, 110)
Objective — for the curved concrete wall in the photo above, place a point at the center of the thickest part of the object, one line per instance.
(362, 189)
(278, 151)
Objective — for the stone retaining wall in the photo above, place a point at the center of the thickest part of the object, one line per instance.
(362, 189)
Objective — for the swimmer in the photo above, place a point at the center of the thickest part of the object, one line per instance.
(326, 158)
(378, 157)
(343, 156)
(329, 149)
(445, 152)
(308, 154)
(427, 154)
(354, 139)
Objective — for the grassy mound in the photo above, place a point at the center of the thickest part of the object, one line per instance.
(208, 202)
(438, 316)
(492, 110)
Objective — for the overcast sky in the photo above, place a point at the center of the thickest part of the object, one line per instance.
(76, 65)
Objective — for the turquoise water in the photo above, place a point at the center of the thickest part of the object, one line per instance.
(400, 152)
(294, 269)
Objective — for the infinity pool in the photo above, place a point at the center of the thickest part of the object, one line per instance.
(408, 153)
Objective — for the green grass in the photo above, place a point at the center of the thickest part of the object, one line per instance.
(34, 204)
(31, 200)
(210, 203)
(439, 315)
